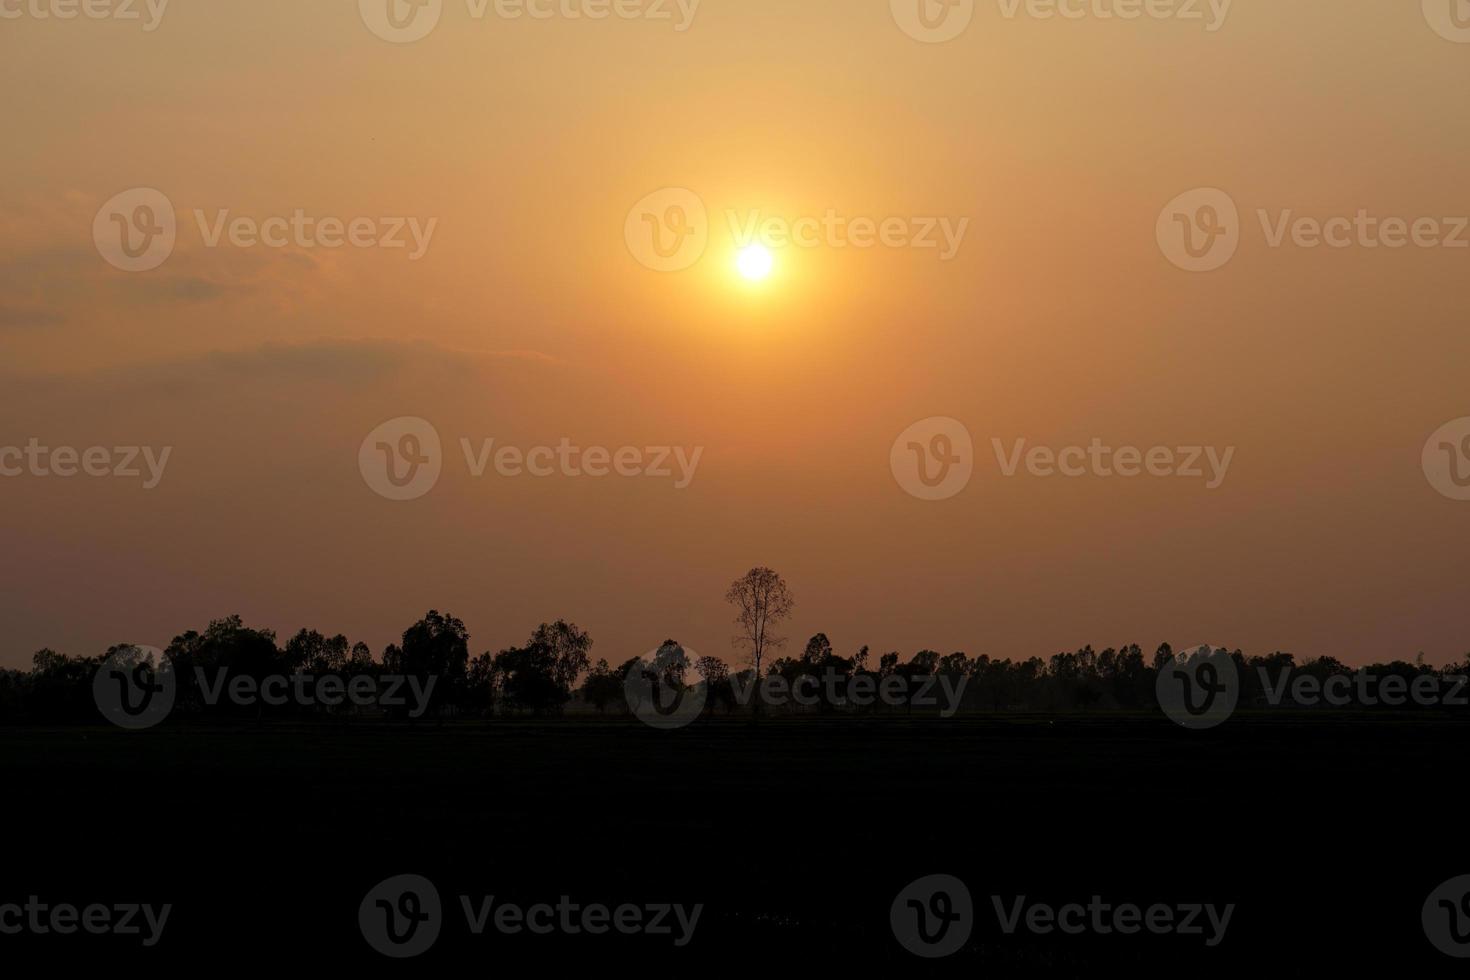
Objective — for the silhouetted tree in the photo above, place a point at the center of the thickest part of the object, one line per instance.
(539, 676)
(762, 601)
(226, 649)
(569, 647)
(479, 695)
(602, 687)
(716, 675)
(312, 653)
(436, 646)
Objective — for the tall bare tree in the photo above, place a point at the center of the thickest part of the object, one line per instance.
(761, 600)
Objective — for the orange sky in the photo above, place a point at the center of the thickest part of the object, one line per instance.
(528, 319)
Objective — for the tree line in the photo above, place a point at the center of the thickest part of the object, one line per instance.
(552, 673)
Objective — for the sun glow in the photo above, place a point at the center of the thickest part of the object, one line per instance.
(755, 262)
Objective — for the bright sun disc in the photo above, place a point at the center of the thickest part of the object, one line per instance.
(755, 262)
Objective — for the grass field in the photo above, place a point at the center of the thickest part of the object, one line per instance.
(1325, 831)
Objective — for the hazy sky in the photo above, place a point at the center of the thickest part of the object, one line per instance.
(1061, 317)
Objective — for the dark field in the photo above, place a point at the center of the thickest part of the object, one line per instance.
(1327, 831)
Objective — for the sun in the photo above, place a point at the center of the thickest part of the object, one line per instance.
(755, 262)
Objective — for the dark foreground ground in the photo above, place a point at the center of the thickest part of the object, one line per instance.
(1327, 832)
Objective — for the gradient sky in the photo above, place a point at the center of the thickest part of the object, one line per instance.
(529, 321)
